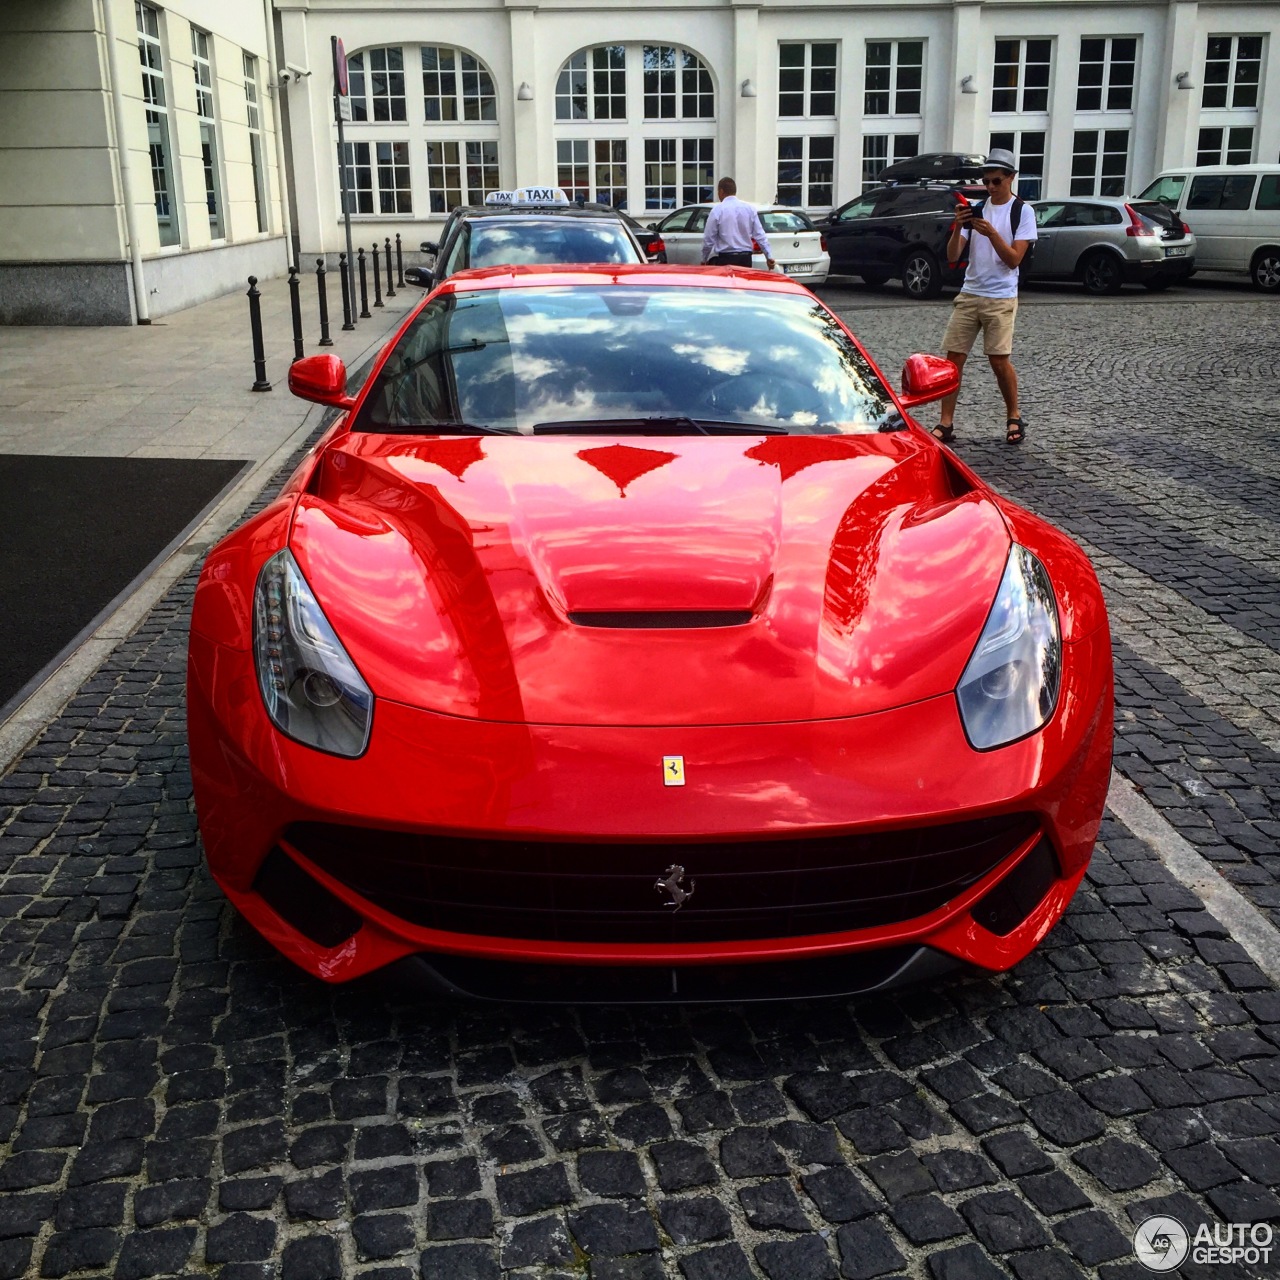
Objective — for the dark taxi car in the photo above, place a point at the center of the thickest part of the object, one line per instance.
(899, 231)
(527, 232)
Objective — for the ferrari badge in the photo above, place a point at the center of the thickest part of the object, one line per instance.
(673, 771)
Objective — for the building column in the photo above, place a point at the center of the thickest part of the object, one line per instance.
(533, 146)
(309, 140)
(740, 145)
(1180, 108)
(969, 57)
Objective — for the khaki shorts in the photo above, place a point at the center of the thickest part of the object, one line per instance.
(993, 316)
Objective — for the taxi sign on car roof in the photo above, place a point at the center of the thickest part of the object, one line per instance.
(528, 196)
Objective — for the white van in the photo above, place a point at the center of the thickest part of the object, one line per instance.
(1234, 210)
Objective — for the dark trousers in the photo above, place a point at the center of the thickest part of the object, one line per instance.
(730, 259)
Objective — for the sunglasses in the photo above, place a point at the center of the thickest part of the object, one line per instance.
(996, 180)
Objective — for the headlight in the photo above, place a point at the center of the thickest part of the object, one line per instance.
(311, 689)
(1010, 687)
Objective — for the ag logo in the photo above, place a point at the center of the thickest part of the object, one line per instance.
(1161, 1244)
(673, 771)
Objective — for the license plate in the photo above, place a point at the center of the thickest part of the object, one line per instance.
(1180, 252)
(797, 268)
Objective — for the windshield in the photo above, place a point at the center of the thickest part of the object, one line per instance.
(1166, 189)
(554, 357)
(500, 244)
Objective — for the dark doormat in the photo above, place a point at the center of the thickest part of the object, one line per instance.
(74, 534)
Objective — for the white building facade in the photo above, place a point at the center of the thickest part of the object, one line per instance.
(643, 105)
(139, 157)
(154, 153)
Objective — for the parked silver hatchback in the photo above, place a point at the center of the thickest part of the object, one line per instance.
(1105, 243)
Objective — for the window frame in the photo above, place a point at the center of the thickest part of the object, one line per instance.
(897, 146)
(1012, 140)
(807, 92)
(1097, 176)
(1105, 88)
(893, 92)
(207, 122)
(165, 175)
(257, 144)
(1233, 84)
(808, 183)
(1020, 88)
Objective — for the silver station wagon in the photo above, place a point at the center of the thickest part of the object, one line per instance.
(1105, 243)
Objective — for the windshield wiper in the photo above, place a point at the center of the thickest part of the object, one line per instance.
(664, 424)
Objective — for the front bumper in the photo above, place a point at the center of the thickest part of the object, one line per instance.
(428, 773)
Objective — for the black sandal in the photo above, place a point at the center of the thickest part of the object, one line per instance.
(944, 432)
(1015, 430)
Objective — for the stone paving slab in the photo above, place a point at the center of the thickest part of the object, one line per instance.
(176, 1100)
(1153, 441)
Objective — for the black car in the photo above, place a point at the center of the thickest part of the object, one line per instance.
(899, 231)
(935, 166)
(503, 235)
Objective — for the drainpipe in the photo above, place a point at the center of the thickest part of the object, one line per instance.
(122, 161)
(277, 113)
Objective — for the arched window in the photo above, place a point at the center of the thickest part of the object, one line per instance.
(424, 145)
(635, 126)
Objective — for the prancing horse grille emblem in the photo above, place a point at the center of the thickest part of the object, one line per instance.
(669, 882)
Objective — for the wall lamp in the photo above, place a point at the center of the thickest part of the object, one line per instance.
(525, 91)
(1184, 80)
(968, 85)
(748, 89)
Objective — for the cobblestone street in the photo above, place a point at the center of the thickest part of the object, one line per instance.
(177, 1100)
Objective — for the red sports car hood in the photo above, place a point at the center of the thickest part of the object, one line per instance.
(521, 579)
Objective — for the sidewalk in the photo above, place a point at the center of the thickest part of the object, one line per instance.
(178, 388)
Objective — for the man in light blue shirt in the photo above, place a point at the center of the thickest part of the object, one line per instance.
(732, 226)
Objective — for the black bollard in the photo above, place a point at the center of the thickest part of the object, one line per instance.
(377, 278)
(325, 340)
(399, 264)
(391, 293)
(260, 382)
(364, 286)
(343, 268)
(295, 306)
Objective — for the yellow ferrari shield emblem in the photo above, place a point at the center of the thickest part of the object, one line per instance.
(673, 771)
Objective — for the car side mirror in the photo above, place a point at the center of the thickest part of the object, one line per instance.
(651, 226)
(429, 246)
(322, 379)
(419, 276)
(926, 378)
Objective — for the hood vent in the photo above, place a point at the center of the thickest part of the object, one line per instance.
(660, 619)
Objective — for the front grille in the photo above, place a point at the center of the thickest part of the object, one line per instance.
(606, 892)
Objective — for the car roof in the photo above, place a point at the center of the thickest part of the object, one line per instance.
(925, 184)
(1176, 171)
(755, 204)
(623, 273)
(1119, 201)
(547, 211)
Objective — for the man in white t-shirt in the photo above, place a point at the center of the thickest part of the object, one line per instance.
(988, 299)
